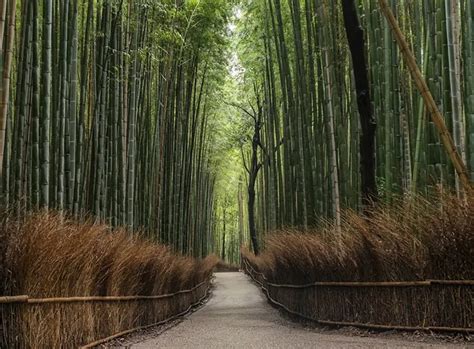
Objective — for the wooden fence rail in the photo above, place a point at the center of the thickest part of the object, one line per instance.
(71, 322)
(140, 328)
(27, 299)
(428, 305)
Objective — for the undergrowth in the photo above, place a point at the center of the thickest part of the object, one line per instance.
(414, 239)
(44, 255)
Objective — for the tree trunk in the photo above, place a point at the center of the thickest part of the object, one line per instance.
(253, 172)
(223, 232)
(251, 212)
(355, 38)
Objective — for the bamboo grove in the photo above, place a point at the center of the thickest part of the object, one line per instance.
(303, 70)
(106, 106)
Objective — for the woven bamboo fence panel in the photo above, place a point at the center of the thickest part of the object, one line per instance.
(87, 321)
(431, 305)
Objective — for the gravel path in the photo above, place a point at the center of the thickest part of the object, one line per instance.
(238, 316)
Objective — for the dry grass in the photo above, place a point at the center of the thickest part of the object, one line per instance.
(46, 256)
(414, 240)
(410, 240)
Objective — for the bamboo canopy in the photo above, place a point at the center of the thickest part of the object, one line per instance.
(430, 103)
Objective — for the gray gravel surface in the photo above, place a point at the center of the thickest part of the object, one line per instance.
(238, 316)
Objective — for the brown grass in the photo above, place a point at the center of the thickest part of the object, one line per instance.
(46, 256)
(410, 240)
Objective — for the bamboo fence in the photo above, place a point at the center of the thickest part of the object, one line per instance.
(72, 322)
(428, 305)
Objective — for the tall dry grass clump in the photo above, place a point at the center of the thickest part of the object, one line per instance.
(45, 256)
(413, 239)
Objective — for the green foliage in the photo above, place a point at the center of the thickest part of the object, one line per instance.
(131, 91)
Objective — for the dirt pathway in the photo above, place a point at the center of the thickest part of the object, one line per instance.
(238, 316)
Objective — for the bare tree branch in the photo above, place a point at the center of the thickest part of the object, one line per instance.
(242, 109)
(243, 158)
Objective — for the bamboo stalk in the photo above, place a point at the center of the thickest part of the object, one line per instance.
(356, 284)
(453, 282)
(468, 63)
(430, 104)
(378, 283)
(400, 328)
(27, 299)
(5, 85)
(13, 299)
(364, 283)
(3, 12)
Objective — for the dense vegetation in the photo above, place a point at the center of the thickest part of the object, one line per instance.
(205, 125)
(108, 112)
(45, 256)
(310, 133)
(199, 122)
(107, 116)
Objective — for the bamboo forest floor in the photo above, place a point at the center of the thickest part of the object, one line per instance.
(239, 316)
